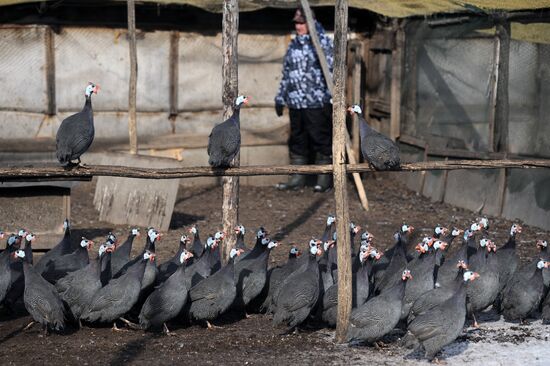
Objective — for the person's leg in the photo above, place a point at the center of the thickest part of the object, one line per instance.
(298, 147)
(319, 126)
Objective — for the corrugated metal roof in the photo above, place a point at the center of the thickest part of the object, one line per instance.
(390, 8)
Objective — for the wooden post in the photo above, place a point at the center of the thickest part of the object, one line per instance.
(339, 169)
(396, 76)
(230, 32)
(132, 127)
(330, 85)
(174, 75)
(50, 71)
(357, 52)
(501, 109)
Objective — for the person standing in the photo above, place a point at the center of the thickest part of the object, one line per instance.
(303, 89)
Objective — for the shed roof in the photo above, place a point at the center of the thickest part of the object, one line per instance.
(390, 8)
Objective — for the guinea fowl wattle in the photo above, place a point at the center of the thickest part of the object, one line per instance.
(76, 132)
(224, 141)
(379, 150)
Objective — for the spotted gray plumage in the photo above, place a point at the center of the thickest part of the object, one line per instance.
(121, 255)
(523, 294)
(62, 248)
(275, 278)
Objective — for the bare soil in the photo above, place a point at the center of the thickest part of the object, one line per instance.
(292, 218)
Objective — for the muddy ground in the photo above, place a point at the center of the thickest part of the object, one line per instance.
(292, 217)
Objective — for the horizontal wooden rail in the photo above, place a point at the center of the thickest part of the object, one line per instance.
(52, 173)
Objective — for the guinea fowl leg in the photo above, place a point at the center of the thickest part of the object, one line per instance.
(29, 325)
(290, 331)
(167, 331)
(211, 326)
(130, 324)
(117, 329)
(437, 361)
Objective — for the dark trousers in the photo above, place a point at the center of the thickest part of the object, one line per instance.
(311, 131)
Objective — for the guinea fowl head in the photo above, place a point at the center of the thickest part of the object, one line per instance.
(374, 254)
(294, 252)
(241, 99)
(328, 244)
(21, 233)
(272, 244)
(365, 246)
(261, 233)
(185, 239)
(85, 243)
(355, 109)
(193, 230)
(366, 236)
(30, 237)
(330, 220)
(19, 254)
(150, 256)
(542, 264)
(456, 232)
(462, 264)
(185, 256)
(239, 229)
(235, 253)
(102, 249)
(475, 227)
(440, 245)
(542, 244)
(111, 238)
(91, 88)
(407, 229)
(468, 234)
(406, 275)
(135, 232)
(154, 235)
(470, 276)
(219, 236)
(440, 231)
(515, 229)
(422, 248)
(483, 222)
(315, 251)
(66, 224)
(484, 242)
(12, 239)
(354, 228)
(211, 243)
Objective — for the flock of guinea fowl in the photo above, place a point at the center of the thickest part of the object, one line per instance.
(424, 288)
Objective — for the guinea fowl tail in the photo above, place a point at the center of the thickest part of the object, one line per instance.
(63, 157)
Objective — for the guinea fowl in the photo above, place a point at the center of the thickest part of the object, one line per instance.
(41, 298)
(251, 276)
(448, 237)
(60, 266)
(62, 248)
(17, 286)
(441, 325)
(276, 276)
(119, 296)
(216, 260)
(168, 299)
(105, 263)
(379, 315)
(77, 288)
(202, 268)
(214, 295)
(5, 270)
(392, 273)
(360, 288)
(121, 255)
(298, 293)
(523, 294)
(508, 260)
(261, 240)
(484, 291)
(224, 141)
(197, 247)
(447, 273)
(240, 231)
(439, 294)
(167, 268)
(379, 150)
(480, 257)
(329, 228)
(76, 132)
(402, 238)
(423, 269)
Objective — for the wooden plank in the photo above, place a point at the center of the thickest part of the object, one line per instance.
(132, 89)
(53, 172)
(50, 71)
(396, 81)
(339, 159)
(230, 76)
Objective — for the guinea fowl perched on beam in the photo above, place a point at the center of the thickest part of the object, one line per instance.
(76, 132)
(379, 150)
(224, 141)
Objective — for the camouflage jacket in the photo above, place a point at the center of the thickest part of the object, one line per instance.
(303, 84)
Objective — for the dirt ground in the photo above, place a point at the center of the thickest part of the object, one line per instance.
(291, 217)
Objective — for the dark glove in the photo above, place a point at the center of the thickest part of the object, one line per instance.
(279, 109)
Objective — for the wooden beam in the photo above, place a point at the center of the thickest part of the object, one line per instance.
(54, 172)
(501, 140)
(50, 71)
(339, 159)
(396, 81)
(330, 85)
(230, 34)
(132, 126)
